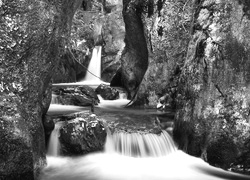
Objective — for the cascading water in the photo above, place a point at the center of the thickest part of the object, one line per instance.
(54, 144)
(140, 145)
(94, 68)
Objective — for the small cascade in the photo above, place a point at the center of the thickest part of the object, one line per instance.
(54, 144)
(140, 145)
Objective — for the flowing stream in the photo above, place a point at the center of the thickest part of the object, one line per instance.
(127, 156)
(135, 157)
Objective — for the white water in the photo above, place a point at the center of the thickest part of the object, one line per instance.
(105, 166)
(112, 104)
(154, 158)
(94, 65)
(54, 145)
(140, 145)
(110, 165)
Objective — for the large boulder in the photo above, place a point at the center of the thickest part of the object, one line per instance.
(81, 134)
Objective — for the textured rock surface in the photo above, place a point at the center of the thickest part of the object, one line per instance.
(81, 134)
(79, 96)
(167, 45)
(213, 98)
(31, 40)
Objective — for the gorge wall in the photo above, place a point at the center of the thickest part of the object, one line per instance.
(32, 36)
(212, 119)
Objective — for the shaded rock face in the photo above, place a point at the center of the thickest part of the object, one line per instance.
(79, 96)
(107, 92)
(38, 33)
(69, 68)
(134, 59)
(167, 46)
(81, 135)
(113, 37)
(213, 94)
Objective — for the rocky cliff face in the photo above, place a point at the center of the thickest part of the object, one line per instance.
(32, 34)
(167, 43)
(213, 98)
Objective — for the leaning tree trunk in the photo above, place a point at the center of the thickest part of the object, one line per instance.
(216, 71)
(134, 60)
(33, 33)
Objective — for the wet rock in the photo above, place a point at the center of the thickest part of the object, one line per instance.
(83, 134)
(79, 96)
(107, 92)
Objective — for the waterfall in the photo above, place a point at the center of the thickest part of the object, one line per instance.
(94, 66)
(54, 144)
(55, 99)
(93, 73)
(140, 145)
